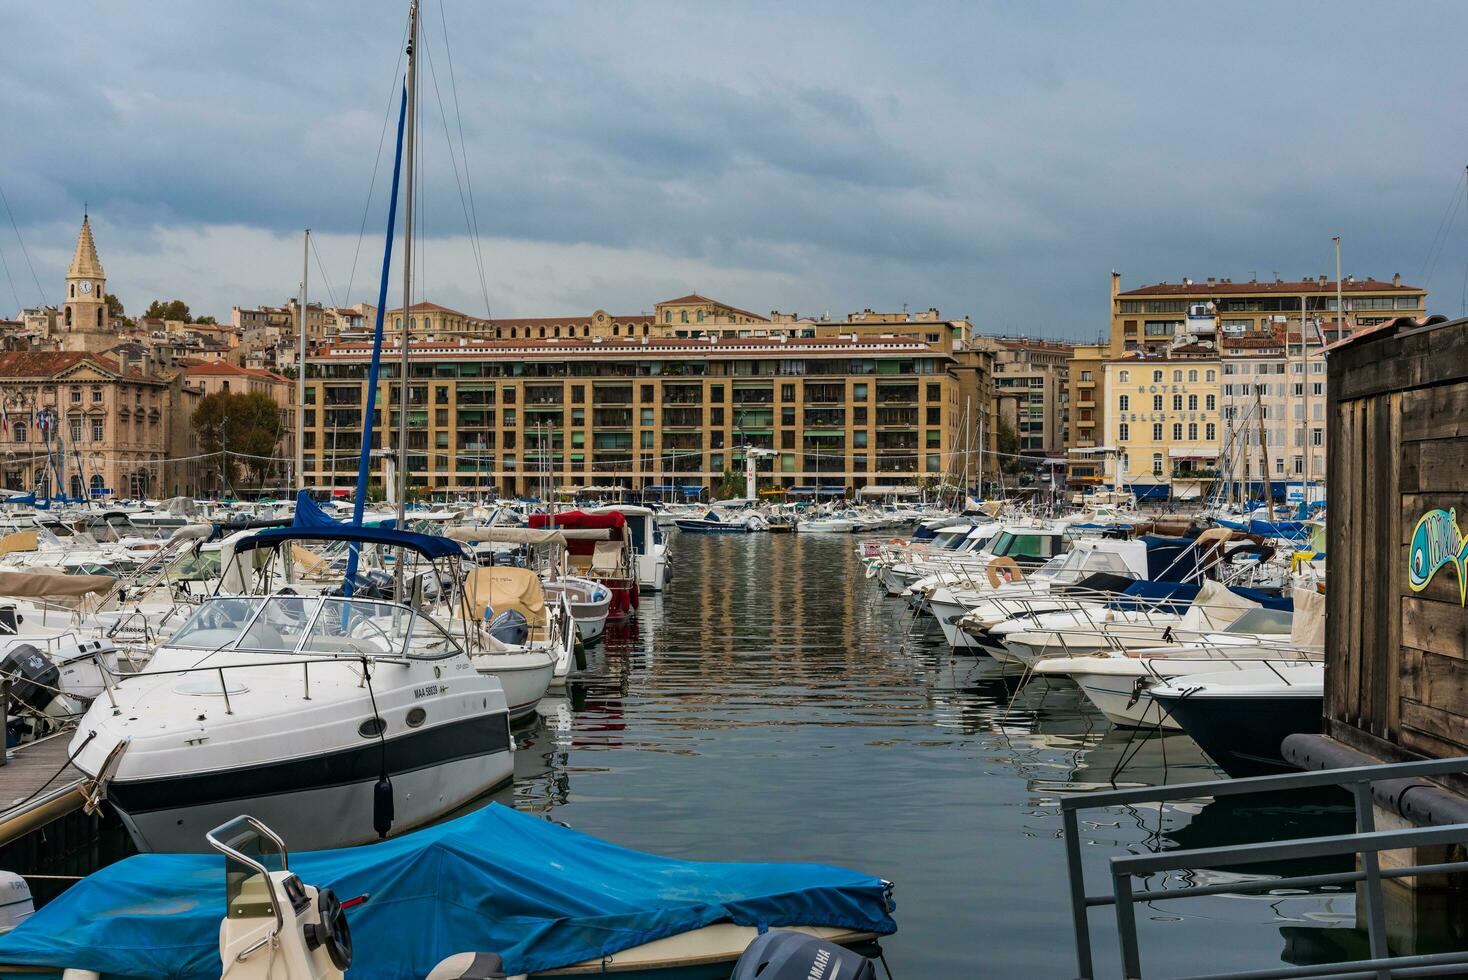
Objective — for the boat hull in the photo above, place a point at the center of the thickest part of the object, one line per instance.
(1243, 734)
(323, 801)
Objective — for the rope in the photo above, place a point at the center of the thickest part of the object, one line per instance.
(64, 766)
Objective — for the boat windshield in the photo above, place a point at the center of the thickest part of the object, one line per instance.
(1082, 563)
(314, 625)
(1271, 621)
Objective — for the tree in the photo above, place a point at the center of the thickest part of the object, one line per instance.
(1008, 447)
(239, 423)
(206, 318)
(115, 312)
(174, 309)
(731, 486)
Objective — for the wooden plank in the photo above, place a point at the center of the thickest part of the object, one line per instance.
(1370, 495)
(1388, 711)
(1437, 724)
(1335, 548)
(1339, 441)
(1410, 673)
(1434, 465)
(1435, 627)
(1430, 357)
(1440, 412)
(1443, 683)
(1359, 410)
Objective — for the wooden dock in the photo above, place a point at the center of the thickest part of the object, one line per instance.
(37, 786)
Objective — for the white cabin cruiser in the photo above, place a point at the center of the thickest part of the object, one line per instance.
(339, 718)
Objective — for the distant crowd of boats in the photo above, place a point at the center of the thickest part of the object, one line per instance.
(1213, 626)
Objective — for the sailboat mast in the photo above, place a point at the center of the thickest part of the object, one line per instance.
(300, 437)
(410, 144)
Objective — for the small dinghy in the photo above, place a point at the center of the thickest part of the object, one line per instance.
(495, 885)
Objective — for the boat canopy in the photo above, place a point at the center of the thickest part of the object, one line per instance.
(505, 535)
(52, 585)
(539, 894)
(430, 546)
(580, 520)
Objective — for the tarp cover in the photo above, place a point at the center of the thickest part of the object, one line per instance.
(579, 519)
(505, 588)
(497, 880)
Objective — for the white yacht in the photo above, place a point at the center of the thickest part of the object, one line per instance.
(341, 719)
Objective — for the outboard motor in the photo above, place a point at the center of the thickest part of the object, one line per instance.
(36, 682)
(510, 627)
(784, 955)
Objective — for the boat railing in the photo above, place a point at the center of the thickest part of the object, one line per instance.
(110, 677)
(1366, 841)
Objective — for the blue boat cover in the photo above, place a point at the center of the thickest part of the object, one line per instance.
(312, 524)
(1170, 559)
(496, 880)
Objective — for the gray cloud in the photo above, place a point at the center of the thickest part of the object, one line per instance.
(994, 160)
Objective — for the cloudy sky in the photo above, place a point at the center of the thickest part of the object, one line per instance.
(996, 160)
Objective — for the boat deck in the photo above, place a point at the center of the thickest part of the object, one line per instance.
(37, 785)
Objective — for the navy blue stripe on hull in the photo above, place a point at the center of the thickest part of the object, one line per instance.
(466, 739)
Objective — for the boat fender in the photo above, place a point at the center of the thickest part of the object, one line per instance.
(470, 966)
(382, 808)
(785, 955)
(331, 931)
(580, 652)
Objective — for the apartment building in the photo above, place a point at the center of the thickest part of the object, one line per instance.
(1163, 415)
(1149, 318)
(1032, 390)
(1086, 387)
(516, 415)
(1274, 408)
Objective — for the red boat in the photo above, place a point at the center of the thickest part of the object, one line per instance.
(599, 547)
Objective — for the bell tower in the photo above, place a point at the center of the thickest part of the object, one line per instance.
(85, 324)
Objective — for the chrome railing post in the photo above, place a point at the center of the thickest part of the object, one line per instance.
(1371, 864)
(1126, 925)
(1079, 918)
(224, 689)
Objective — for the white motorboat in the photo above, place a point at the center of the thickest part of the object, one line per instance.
(339, 719)
(512, 604)
(590, 603)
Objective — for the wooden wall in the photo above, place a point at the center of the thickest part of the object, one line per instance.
(1396, 660)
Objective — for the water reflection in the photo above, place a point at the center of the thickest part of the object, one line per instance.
(773, 706)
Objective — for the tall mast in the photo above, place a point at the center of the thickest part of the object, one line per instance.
(300, 435)
(410, 142)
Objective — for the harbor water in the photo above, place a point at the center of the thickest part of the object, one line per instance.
(773, 705)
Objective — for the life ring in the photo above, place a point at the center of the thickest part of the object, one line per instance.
(332, 932)
(1003, 570)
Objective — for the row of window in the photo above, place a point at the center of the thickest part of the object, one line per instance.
(1209, 430)
(1192, 374)
(609, 368)
(1210, 403)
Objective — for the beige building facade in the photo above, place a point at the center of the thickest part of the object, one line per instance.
(516, 416)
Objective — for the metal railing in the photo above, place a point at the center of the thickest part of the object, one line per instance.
(1367, 841)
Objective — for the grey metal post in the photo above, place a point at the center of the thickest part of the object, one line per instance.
(1079, 919)
(1371, 864)
(1126, 925)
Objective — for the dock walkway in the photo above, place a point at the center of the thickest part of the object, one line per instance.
(34, 788)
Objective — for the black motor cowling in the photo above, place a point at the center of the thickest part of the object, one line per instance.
(782, 955)
(510, 627)
(34, 680)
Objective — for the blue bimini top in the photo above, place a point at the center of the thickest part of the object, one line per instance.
(496, 880)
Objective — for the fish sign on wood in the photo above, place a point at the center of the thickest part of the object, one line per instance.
(1437, 541)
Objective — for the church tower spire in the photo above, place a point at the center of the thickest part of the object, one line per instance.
(85, 321)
